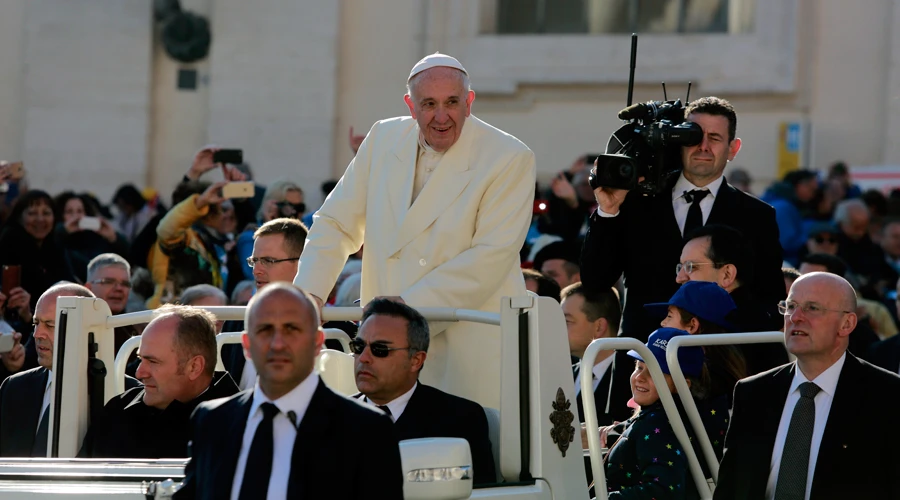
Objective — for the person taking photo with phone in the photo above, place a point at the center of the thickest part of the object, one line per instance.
(84, 233)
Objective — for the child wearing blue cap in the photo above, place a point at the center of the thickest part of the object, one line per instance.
(647, 461)
(699, 307)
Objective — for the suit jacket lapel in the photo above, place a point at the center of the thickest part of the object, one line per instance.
(402, 173)
(844, 408)
(226, 465)
(770, 418)
(667, 208)
(314, 429)
(32, 401)
(449, 179)
(409, 416)
(723, 207)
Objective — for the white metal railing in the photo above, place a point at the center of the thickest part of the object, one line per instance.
(236, 313)
(590, 413)
(684, 393)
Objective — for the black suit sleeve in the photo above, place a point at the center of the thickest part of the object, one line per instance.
(770, 281)
(602, 255)
(480, 443)
(384, 474)
(729, 468)
(188, 489)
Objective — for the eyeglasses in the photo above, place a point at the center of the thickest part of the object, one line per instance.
(825, 239)
(267, 261)
(112, 282)
(789, 307)
(379, 349)
(688, 267)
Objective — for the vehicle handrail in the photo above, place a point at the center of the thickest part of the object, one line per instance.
(684, 393)
(236, 313)
(121, 362)
(668, 402)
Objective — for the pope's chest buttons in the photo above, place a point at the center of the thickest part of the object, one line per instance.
(422, 262)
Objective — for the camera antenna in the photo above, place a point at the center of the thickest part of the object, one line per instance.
(631, 73)
(688, 98)
(665, 96)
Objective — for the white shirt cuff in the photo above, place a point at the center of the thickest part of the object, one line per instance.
(601, 213)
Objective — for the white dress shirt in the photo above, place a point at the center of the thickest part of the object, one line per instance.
(426, 161)
(284, 432)
(398, 405)
(598, 372)
(681, 205)
(827, 382)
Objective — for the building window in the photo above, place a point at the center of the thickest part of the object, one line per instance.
(519, 17)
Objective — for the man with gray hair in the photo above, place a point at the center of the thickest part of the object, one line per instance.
(204, 295)
(442, 202)
(864, 257)
(389, 354)
(109, 277)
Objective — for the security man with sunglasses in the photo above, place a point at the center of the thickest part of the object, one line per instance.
(389, 353)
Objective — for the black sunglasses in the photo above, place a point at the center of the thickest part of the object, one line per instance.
(825, 239)
(379, 348)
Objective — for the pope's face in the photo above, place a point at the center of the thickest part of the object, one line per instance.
(440, 103)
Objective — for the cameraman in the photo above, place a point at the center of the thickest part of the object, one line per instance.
(642, 236)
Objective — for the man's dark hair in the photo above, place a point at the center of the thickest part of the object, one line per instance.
(327, 187)
(718, 107)
(597, 304)
(876, 201)
(546, 287)
(195, 335)
(293, 230)
(833, 264)
(129, 195)
(795, 177)
(416, 329)
(727, 245)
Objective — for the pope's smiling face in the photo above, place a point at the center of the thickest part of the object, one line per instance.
(440, 102)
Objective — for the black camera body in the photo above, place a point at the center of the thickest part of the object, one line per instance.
(645, 152)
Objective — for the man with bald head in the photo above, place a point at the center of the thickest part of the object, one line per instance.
(289, 436)
(804, 430)
(25, 396)
(442, 201)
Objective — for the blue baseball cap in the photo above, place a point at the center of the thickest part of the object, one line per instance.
(690, 358)
(704, 299)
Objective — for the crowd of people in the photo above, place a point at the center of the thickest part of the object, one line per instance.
(432, 213)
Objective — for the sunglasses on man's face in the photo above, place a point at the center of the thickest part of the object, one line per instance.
(825, 239)
(379, 349)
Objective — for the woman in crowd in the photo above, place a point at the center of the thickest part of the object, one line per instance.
(27, 241)
(84, 233)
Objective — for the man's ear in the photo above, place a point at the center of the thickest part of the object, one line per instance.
(601, 328)
(728, 276)
(417, 361)
(245, 343)
(195, 367)
(848, 324)
(470, 98)
(409, 103)
(733, 148)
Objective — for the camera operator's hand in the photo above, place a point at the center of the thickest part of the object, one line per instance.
(609, 199)
(212, 196)
(564, 190)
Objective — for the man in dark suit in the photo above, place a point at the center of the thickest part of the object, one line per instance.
(177, 363)
(389, 353)
(25, 396)
(290, 436)
(642, 236)
(592, 315)
(277, 245)
(797, 431)
(721, 254)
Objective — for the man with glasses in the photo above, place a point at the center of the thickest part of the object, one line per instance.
(389, 353)
(802, 430)
(109, 277)
(720, 254)
(289, 436)
(277, 245)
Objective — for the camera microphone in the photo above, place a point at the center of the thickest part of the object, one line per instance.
(641, 110)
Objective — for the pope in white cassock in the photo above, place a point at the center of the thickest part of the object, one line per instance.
(442, 202)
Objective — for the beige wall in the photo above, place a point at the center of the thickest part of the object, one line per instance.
(88, 98)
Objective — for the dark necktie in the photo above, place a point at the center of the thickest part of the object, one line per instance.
(694, 215)
(259, 460)
(40, 439)
(794, 468)
(385, 409)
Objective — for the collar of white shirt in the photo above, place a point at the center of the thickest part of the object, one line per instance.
(398, 405)
(827, 380)
(424, 147)
(297, 400)
(683, 185)
(598, 371)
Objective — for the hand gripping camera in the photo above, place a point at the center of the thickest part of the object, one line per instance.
(648, 146)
